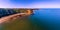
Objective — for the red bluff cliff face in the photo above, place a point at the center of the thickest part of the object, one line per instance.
(17, 21)
(23, 12)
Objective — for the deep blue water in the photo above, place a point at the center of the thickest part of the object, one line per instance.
(48, 18)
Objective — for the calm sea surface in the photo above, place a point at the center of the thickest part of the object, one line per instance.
(45, 19)
(48, 19)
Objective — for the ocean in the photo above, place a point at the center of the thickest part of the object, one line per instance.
(47, 18)
(42, 19)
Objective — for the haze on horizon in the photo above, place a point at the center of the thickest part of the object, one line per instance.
(29, 3)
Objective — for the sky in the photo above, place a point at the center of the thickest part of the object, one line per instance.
(29, 3)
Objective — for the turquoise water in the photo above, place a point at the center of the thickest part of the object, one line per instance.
(46, 19)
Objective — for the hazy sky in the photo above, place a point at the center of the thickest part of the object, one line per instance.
(29, 3)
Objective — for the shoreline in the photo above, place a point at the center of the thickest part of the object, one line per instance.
(11, 17)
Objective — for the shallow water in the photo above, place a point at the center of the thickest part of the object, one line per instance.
(43, 19)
